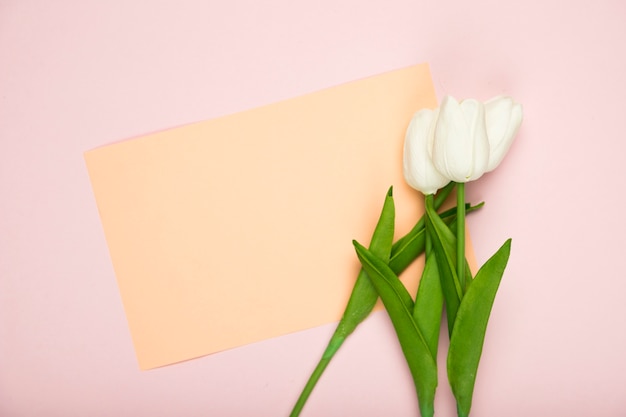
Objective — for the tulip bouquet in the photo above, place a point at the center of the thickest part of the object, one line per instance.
(444, 148)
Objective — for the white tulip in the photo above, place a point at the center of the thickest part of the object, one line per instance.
(503, 117)
(460, 149)
(419, 171)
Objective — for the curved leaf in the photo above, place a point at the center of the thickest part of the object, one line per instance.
(429, 304)
(466, 343)
(361, 301)
(364, 295)
(444, 246)
(416, 351)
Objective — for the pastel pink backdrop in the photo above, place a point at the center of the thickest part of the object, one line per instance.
(75, 75)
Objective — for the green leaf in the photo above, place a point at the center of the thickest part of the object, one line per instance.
(382, 239)
(444, 246)
(429, 304)
(416, 351)
(361, 301)
(364, 295)
(466, 343)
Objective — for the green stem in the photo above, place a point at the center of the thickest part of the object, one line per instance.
(428, 243)
(460, 233)
(332, 348)
(304, 396)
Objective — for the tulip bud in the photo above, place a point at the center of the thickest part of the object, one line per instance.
(419, 171)
(460, 149)
(503, 117)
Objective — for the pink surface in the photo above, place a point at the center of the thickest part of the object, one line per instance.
(74, 76)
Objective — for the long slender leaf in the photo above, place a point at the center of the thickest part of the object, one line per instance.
(429, 304)
(364, 295)
(466, 343)
(416, 351)
(361, 301)
(444, 246)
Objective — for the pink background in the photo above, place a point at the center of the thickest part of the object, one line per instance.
(75, 75)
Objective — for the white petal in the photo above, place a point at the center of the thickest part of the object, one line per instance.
(452, 142)
(503, 116)
(474, 112)
(419, 171)
(461, 148)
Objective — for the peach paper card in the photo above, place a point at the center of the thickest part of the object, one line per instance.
(239, 229)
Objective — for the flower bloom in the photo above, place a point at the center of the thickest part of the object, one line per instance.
(419, 171)
(459, 141)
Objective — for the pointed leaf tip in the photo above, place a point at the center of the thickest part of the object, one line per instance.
(468, 336)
